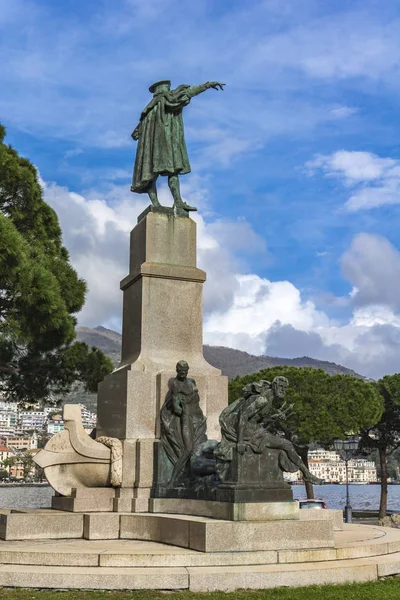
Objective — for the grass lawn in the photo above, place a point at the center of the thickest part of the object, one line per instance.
(388, 589)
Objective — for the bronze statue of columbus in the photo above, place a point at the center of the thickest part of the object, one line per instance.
(161, 146)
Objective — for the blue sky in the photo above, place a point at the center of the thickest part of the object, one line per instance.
(295, 166)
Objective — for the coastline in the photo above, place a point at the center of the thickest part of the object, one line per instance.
(23, 484)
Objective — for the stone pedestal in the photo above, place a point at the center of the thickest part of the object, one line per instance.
(162, 324)
(229, 511)
(254, 477)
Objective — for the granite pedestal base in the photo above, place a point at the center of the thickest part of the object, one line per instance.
(254, 477)
(360, 553)
(215, 535)
(255, 511)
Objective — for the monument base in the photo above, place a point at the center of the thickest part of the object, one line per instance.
(229, 511)
(105, 500)
(247, 494)
(191, 532)
(99, 559)
(215, 535)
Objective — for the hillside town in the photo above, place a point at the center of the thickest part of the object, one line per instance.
(24, 432)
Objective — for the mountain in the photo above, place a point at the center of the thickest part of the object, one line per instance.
(107, 340)
(235, 362)
(231, 362)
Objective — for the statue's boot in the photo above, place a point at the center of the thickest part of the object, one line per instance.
(315, 480)
(186, 206)
(174, 186)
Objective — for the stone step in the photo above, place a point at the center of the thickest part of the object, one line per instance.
(94, 578)
(40, 525)
(201, 578)
(227, 579)
(213, 535)
(354, 542)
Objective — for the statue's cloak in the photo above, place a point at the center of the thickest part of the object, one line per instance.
(171, 429)
(161, 146)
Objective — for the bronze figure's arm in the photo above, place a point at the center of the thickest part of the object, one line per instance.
(136, 132)
(176, 400)
(194, 90)
(240, 445)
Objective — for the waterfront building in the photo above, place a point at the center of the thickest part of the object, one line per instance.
(360, 470)
(322, 454)
(329, 466)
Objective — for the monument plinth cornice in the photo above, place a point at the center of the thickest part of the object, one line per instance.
(164, 271)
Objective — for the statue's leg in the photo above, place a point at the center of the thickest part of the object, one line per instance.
(152, 191)
(282, 444)
(174, 186)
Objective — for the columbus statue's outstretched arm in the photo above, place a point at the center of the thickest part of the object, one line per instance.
(195, 90)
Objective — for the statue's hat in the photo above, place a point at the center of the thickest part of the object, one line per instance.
(155, 85)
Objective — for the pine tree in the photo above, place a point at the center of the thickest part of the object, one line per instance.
(40, 294)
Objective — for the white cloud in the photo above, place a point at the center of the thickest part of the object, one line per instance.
(73, 152)
(355, 167)
(372, 266)
(343, 112)
(375, 180)
(96, 230)
(272, 317)
(97, 237)
(278, 322)
(339, 45)
(242, 309)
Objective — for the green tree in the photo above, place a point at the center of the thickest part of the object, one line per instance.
(26, 460)
(40, 293)
(325, 407)
(9, 462)
(385, 435)
(42, 440)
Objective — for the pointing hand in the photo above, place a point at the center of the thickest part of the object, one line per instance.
(216, 85)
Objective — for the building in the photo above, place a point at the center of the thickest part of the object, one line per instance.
(5, 453)
(8, 405)
(334, 471)
(89, 419)
(21, 442)
(55, 424)
(8, 422)
(19, 429)
(321, 454)
(362, 470)
(32, 420)
(331, 468)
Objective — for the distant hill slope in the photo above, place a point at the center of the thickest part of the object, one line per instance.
(235, 362)
(231, 362)
(107, 340)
